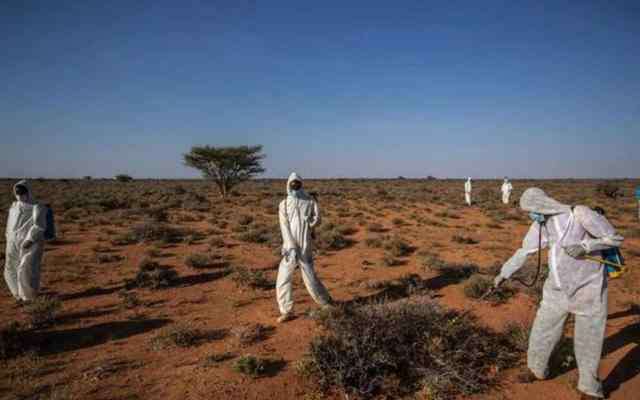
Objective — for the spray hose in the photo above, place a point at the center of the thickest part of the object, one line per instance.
(535, 279)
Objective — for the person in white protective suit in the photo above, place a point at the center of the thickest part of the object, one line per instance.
(506, 189)
(467, 191)
(299, 214)
(25, 244)
(574, 285)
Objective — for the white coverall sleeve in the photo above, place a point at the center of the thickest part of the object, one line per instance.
(315, 218)
(529, 246)
(36, 232)
(287, 239)
(603, 234)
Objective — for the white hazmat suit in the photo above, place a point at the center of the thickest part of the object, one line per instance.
(573, 286)
(26, 224)
(467, 191)
(506, 189)
(298, 215)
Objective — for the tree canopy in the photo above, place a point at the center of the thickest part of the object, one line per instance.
(226, 166)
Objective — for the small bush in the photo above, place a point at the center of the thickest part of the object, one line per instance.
(258, 235)
(332, 239)
(178, 335)
(518, 335)
(376, 228)
(373, 242)
(478, 286)
(153, 276)
(153, 252)
(152, 231)
(217, 358)
(402, 348)
(43, 310)
(216, 242)
(463, 240)
(388, 260)
(430, 261)
(251, 334)
(108, 258)
(129, 299)
(397, 247)
(245, 220)
(198, 261)
(251, 278)
(397, 221)
(609, 189)
(250, 365)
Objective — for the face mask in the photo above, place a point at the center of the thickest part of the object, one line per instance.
(537, 217)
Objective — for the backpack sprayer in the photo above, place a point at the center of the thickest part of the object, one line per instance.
(611, 258)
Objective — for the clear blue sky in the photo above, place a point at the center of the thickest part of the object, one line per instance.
(330, 88)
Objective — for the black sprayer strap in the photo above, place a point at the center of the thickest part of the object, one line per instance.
(542, 225)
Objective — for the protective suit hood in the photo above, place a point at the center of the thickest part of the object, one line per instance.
(295, 177)
(537, 201)
(24, 183)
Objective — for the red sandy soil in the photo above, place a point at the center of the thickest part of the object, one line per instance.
(94, 332)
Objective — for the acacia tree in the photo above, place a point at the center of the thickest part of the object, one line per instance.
(226, 166)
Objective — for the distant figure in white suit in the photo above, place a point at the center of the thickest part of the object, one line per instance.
(467, 191)
(507, 188)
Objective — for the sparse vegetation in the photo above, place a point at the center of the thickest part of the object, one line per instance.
(198, 261)
(251, 334)
(479, 286)
(153, 276)
(250, 365)
(609, 189)
(183, 226)
(463, 239)
(397, 247)
(177, 335)
(402, 348)
(43, 310)
(255, 279)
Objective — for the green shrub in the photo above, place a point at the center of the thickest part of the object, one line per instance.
(250, 365)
